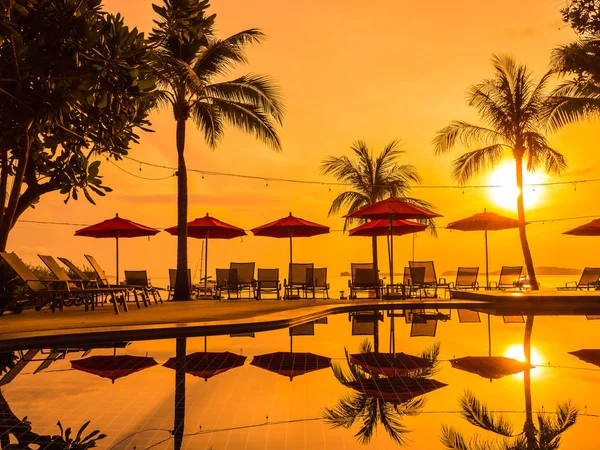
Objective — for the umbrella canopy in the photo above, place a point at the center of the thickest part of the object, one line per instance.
(491, 367)
(207, 228)
(390, 364)
(381, 227)
(485, 221)
(291, 364)
(208, 364)
(116, 228)
(589, 229)
(392, 209)
(290, 227)
(591, 356)
(396, 390)
(113, 367)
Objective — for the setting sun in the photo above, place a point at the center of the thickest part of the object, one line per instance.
(506, 196)
(516, 352)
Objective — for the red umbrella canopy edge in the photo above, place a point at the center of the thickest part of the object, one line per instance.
(208, 364)
(113, 367)
(291, 364)
(484, 221)
(211, 228)
(589, 229)
(393, 208)
(298, 227)
(381, 227)
(116, 227)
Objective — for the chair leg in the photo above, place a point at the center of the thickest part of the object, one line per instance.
(115, 306)
(137, 301)
(124, 303)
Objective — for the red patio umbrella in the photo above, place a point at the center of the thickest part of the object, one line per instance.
(485, 221)
(392, 209)
(390, 364)
(208, 364)
(209, 228)
(589, 229)
(291, 364)
(116, 228)
(396, 390)
(588, 355)
(290, 227)
(492, 367)
(113, 367)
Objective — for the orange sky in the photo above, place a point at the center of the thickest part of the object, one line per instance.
(394, 70)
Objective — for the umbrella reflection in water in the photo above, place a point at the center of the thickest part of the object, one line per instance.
(113, 367)
(491, 367)
(208, 364)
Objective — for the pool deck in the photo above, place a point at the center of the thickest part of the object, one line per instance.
(74, 326)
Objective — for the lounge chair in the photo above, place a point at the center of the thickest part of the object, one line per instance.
(364, 278)
(300, 277)
(138, 282)
(241, 278)
(172, 281)
(80, 292)
(222, 280)
(466, 278)
(364, 322)
(424, 278)
(590, 280)
(423, 322)
(468, 316)
(101, 277)
(268, 283)
(50, 290)
(510, 278)
(319, 282)
(79, 274)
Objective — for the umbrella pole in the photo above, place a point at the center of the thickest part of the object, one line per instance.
(205, 262)
(117, 244)
(291, 259)
(291, 341)
(489, 337)
(391, 252)
(487, 281)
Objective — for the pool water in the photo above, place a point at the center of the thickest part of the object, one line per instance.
(244, 405)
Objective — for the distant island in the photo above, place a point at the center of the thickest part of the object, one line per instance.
(541, 270)
(345, 274)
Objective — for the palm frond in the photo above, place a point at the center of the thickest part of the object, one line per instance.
(210, 121)
(392, 422)
(346, 411)
(572, 102)
(539, 153)
(478, 414)
(465, 134)
(432, 355)
(452, 439)
(470, 163)
(551, 429)
(370, 418)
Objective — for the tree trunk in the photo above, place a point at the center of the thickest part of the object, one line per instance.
(182, 286)
(375, 262)
(179, 416)
(3, 181)
(529, 427)
(522, 231)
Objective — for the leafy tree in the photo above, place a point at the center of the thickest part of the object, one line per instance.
(75, 83)
(189, 62)
(371, 179)
(371, 411)
(513, 109)
(583, 15)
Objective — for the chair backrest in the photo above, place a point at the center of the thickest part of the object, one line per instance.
(417, 275)
(429, 276)
(513, 319)
(466, 276)
(101, 276)
(299, 273)
(423, 328)
(355, 266)
(269, 278)
(57, 271)
(305, 329)
(468, 316)
(136, 278)
(23, 272)
(365, 277)
(222, 277)
(406, 279)
(245, 272)
(589, 276)
(319, 277)
(173, 277)
(510, 275)
(73, 268)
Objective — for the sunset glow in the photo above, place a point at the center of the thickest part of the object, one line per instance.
(516, 352)
(506, 196)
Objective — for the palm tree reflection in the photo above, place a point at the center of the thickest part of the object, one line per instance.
(370, 411)
(545, 436)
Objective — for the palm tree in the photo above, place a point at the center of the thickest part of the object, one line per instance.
(370, 410)
(189, 60)
(513, 109)
(546, 436)
(371, 179)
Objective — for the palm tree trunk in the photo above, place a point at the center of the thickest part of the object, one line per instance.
(529, 427)
(522, 231)
(182, 287)
(179, 416)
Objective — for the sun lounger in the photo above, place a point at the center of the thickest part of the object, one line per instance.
(590, 280)
(466, 278)
(173, 279)
(364, 322)
(53, 291)
(510, 278)
(468, 316)
(79, 274)
(101, 277)
(424, 279)
(138, 282)
(222, 280)
(241, 278)
(268, 283)
(297, 285)
(80, 292)
(364, 278)
(319, 282)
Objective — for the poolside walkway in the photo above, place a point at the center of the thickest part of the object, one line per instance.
(74, 326)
